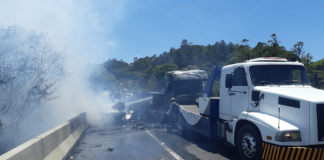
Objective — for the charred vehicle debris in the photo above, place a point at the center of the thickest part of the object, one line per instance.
(182, 87)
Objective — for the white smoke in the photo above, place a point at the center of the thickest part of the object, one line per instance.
(77, 28)
(74, 25)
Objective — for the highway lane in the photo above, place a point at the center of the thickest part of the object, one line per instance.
(193, 145)
(143, 137)
(149, 142)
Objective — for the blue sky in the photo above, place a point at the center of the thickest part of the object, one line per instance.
(155, 26)
(124, 29)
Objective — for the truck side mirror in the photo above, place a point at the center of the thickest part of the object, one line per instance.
(229, 81)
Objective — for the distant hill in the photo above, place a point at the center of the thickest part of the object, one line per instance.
(319, 64)
(146, 73)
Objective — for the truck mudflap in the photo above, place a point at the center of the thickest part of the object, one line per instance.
(275, 152)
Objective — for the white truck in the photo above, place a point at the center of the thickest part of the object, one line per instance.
(267, 108)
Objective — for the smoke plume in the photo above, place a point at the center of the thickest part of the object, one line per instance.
(76, 29)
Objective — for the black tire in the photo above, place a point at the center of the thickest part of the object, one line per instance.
(179, 124)
(249, 143)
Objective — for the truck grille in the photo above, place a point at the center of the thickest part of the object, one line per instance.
(320, 121)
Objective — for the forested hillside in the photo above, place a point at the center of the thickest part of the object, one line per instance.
(147, 73)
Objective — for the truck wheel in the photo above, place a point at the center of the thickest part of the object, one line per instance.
(179, 124)
(249, 143)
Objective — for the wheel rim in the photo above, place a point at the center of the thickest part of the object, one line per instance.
(249, 145)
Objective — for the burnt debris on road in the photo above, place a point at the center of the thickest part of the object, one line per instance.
(126, 138)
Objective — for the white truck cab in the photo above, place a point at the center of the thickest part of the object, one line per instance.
(267, 108)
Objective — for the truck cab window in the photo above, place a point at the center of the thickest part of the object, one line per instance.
(239, 77)
(296, 75)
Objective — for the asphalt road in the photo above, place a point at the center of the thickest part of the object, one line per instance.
(147, 142)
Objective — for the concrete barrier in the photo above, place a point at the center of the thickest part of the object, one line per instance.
(52, 145)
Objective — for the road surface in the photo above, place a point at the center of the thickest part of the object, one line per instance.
(147, 141)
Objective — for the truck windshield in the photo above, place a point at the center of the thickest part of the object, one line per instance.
(278, 75)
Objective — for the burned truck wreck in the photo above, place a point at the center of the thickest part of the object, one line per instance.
(184, 86)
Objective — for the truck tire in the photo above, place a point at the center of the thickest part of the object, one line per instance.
(249, 143)
(179, 124)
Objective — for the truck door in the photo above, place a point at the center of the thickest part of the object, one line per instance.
(239, 92)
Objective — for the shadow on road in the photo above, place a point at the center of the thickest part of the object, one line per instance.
(215, 147)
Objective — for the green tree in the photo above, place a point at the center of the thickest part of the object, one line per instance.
(298, 49)
(272, 49)
(141, 64)
(160, 70)
(112, 64)
(185, 43)
(274, 42)
(118, 68)
(100, 78)
(315, 72)
(242, 52)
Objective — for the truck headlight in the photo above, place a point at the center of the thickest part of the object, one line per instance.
(288, 136)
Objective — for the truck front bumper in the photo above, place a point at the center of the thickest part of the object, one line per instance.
(275, 152)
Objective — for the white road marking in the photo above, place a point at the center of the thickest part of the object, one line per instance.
(175, 155)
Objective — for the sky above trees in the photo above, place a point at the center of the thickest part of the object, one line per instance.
(94, 31)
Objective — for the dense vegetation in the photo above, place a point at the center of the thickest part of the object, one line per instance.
(147, 73)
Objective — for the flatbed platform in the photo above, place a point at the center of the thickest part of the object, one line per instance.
(191, 108)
